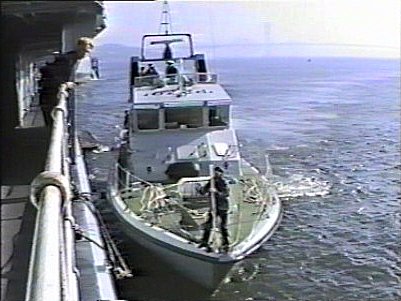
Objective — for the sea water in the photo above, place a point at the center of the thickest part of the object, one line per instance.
(331, 128)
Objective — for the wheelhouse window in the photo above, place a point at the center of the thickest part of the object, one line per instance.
(183, 117)
(148, 119)
(218, 115)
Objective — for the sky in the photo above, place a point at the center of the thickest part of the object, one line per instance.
(362, 27)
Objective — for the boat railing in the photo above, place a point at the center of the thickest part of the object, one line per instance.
(150, 200)
(52, 272)
(199, 78)
(188, 79)
(259, 190)
(148, 81)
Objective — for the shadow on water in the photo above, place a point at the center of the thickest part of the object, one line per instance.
(153, 279)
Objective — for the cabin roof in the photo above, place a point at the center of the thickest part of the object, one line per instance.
(196, 95)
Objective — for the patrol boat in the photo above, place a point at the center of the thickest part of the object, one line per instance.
(176, 132)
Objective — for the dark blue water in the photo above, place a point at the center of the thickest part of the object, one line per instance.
(331, 127)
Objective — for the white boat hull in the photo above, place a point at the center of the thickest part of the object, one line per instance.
(205, 269)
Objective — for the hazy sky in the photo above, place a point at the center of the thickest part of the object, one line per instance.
(363, 23)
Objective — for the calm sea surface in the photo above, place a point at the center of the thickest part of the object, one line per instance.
(331, 128)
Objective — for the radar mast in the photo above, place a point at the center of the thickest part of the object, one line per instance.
(165, 20)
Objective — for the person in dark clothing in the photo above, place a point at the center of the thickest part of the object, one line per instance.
(62, 70)
(171, 69)
(220, 192)
(153, 71)
(126, 119)
(48, 91)
(171, 72)
(95, 68)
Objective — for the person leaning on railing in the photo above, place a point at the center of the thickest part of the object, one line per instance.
(62, 70)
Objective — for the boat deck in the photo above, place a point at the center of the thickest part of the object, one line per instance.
(186, 217)
(197, 93)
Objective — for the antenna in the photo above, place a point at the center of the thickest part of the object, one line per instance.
(165, 20)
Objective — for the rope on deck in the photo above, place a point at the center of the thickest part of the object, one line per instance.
(156, 198)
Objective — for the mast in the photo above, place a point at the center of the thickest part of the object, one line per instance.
(165, 19)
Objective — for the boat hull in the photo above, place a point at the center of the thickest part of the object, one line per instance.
(204, 269)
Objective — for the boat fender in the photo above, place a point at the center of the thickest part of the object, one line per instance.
(47, 178)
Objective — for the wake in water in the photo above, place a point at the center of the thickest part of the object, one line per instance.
(299, 185)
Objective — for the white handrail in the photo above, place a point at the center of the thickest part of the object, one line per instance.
(51, 275)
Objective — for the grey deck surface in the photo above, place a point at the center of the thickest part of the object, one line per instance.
(22, 158)
(17, 226)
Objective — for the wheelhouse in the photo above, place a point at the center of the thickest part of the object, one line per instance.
(165, 116)
(160, 54)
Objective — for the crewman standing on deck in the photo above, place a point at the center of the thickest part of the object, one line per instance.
(220, 191)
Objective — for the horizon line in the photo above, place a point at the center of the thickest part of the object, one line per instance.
(278, 44)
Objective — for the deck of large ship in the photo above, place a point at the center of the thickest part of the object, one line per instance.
(23, 156)
(39, 28)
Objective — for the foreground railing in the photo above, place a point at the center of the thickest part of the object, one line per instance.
(52, 273)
